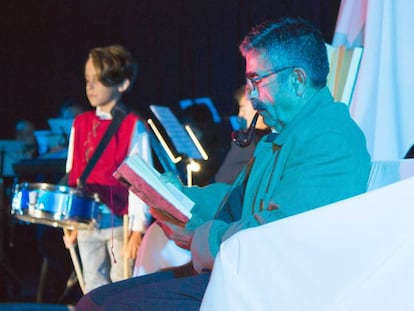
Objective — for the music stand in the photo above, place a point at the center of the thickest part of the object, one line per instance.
(60, 126)
(183, 140)
(48, 140)
(178, 135)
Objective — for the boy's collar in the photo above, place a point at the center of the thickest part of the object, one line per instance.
(102, 114)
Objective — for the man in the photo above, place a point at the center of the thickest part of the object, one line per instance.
(319, 157)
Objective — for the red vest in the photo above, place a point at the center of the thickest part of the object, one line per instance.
(89, 130)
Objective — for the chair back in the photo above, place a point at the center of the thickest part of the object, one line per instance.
(343, 71)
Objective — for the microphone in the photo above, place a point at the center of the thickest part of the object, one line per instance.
(243, 138)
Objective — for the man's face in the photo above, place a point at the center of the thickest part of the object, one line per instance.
(98, 94)
(274, 103)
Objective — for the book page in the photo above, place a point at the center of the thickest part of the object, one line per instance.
(147, 184)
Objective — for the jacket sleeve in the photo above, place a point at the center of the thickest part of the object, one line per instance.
(331, 170)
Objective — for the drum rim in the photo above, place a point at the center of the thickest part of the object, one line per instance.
(54, 220)
(62, 188)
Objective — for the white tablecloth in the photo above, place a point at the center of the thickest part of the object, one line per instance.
(357, 254)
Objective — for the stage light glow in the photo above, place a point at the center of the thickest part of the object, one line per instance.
(194, 166)
(163, 142)
(196, 142)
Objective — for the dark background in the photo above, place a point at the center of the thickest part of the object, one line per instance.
(184, 48)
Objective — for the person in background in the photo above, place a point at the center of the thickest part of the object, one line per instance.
(70, 108)
(25, 132)
(110, 71)
(237, 157)
(317, 157)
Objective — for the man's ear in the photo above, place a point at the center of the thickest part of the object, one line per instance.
(124, 86)
(299, 80)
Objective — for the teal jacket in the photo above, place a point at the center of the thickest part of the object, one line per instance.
(320, 157)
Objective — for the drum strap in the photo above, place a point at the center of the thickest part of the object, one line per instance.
(119, 112)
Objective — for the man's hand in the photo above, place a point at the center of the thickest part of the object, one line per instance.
(134, 241)
(174, 231)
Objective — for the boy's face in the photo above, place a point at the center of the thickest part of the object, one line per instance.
(98, 94)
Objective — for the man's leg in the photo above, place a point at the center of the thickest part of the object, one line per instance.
(157, 291)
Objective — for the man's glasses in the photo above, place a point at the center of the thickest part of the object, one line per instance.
(253, 80)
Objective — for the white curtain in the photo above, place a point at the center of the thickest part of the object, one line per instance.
(381, 103)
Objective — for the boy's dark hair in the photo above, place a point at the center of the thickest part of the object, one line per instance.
(114, 64)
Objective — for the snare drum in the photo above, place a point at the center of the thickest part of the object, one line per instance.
(55, 205)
